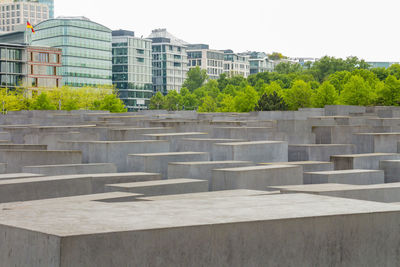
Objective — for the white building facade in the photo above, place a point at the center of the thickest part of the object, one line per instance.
(15, 14)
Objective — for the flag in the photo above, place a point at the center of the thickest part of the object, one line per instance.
(29, 26)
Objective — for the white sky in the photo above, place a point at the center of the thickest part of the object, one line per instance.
(368, 29)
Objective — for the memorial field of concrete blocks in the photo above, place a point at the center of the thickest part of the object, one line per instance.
(314, 187)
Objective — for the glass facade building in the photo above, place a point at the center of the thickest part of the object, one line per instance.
(12, 65)
(50, 4)
(132, 69)
(86, 49)
(170, 63)
(199, 55)
(15, 14)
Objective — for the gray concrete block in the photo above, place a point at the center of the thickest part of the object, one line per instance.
(308, 166)
(85, 232)
(22, 147)
(160, 188)
(10, 176)
(34, 188)
(358, 177)
(257, 151)
(387, 193)
(201, 144)
(376, 142)
(64, 169)
(127, 134)
(362, 161)
(317, 152)
(391, 169)
(201, 169)
(256, 177)
(173, 138)
(16, 159)
(114, 151)
(158, 162)
(3, 168)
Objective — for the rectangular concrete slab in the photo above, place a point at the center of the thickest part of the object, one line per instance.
(257, 151)
(356, 176)
(201, 169)
(17, 159)
(256, 177)
(388, 193)
(159, 188)
(65, 185)
(158, 162)
(71, 169)
(308, 166)
(317, 152)
(212, 232)
(362, 161)
(391, 169)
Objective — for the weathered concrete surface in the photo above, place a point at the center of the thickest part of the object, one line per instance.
(257, 151)
(317, 152)
(236, 227)
(3, 168)
(158, 162)
(173, 138)
(256, 177)
(388, 193)
(9, 176)
(308, 166)
(16, 159)
(201, 169)
(25, 189)
(126, 134)
(362, 161)
(22, 147)
(201, 144)
(357, 177)
(114, 151)
(71, 169)
(376, 142)
(159, 188)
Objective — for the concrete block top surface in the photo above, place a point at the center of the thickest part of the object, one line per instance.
(210, 162)
(61, 218)
(69, 165)
(74, 176)
(18, 175)
(258, 168)
(372, 134)
(296, 163)
(331, 187)
(114, 142)
(250, 143)
(365, 155)
(319, 145)
(154, 183)
(213, 139)
(214, 194)
(166, 154)
(344, 172)
(175, 134)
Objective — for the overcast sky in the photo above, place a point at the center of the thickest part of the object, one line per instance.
(368, 29)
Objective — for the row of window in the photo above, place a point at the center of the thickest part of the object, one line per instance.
(37, 8)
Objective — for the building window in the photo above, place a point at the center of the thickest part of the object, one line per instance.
(43, 57)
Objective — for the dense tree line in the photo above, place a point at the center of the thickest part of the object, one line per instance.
(64, 98)
(328, 81)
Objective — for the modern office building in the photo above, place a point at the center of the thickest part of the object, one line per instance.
(170, 63)
(86, 49)
(132, 69)
(259, 62)
(381, 64)
(17, 13)
(202, 56)
(30, 67)
(236, 64)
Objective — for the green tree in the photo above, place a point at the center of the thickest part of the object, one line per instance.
(112, 103)
(271, 88)
(226, 103)
(43, 102)
(208, 105)
(389, 93)
(222, 81)
(276, 56)
(157, 101)
(325, 95)
(189, 101)
(288, 67)
(270, 102)
(299, 95)
(357, 92)
(246, 99)
(173, 100)
(195, 78)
